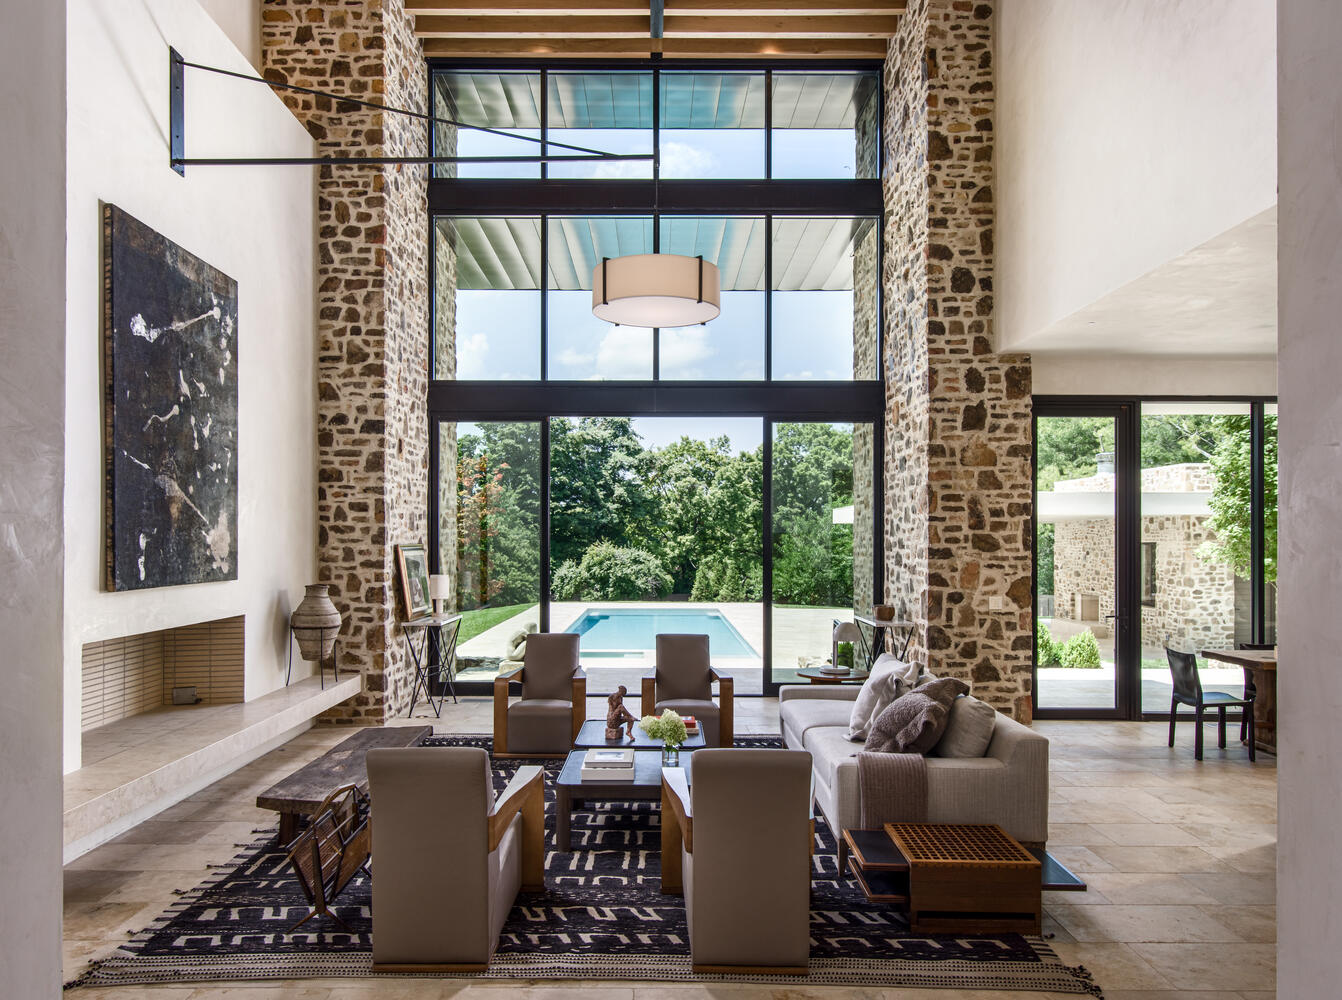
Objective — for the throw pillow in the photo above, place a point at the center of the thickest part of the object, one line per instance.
(915, 722)
(969, 729)
(875, 694)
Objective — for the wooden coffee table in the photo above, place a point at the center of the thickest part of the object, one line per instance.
(592, 736)
(644, 785)
(344, 764)
(958, 879)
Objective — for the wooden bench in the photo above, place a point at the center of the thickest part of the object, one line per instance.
(303, 791)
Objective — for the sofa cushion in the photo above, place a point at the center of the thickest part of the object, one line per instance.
(801, 715)
(551, 659)
(915, 722)
(830, 747)
(969, 729)
(880, 689)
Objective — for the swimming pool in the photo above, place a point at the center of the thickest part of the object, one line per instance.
(616, 632)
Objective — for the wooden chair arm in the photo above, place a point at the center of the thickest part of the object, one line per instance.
(726, 710)
(527, 781)
(648, 696)
(501, 709)
(676, 791)
(578, 711)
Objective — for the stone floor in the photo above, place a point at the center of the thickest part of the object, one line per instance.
(1180, 858)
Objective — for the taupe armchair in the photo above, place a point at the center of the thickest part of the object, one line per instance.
(554, 699)
(448, 859)
(738, 845)
(683, 682)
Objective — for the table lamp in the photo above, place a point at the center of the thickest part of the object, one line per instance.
(439, 591)
(845, 632)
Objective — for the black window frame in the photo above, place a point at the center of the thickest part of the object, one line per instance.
(859, 401)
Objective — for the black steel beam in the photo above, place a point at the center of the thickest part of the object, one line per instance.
(498, 196)
(843, 401)
(176, 110)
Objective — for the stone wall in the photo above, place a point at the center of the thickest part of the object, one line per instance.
(958, 424)
(373, 343)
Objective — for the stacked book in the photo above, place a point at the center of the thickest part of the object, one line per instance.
(691, 725)
(608, 765)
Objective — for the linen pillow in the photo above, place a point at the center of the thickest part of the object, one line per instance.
(969, 729)
(915, 722)
(876, 693)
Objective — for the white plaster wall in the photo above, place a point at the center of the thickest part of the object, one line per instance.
(1309, 698)
(1128, 133)
(32, 423)
(254, 223)
(1117, 375)
(241, 21)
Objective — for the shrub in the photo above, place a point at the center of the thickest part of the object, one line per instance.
(1081, 651)
(610, 573)
(1048, 648)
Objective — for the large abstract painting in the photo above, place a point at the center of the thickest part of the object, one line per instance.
(171, 411)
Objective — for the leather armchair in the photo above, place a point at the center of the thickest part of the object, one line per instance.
(545, 722)
(448, 858)
(683, 682)
(738, 845)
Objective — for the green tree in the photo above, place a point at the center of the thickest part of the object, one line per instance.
(610, 573)
(598, 485)
(1231, 516)
(511, 450)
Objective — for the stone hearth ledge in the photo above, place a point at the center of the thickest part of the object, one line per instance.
(110, 796)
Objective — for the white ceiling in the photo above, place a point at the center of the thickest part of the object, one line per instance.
(1218, 299)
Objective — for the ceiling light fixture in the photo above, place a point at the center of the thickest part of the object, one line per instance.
(656, 290)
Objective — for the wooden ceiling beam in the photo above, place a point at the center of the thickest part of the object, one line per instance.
(533, 27)
(680, 26)
(766, 8)
(531, 47)
(527, 8)
(641, 48)
(767, 48)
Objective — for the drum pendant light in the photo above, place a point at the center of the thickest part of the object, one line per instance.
(656, 290)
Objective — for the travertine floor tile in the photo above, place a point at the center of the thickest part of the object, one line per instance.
(1216, 966)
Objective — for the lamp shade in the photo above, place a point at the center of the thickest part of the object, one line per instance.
(847, 632)
(656, 289)
(439, 589)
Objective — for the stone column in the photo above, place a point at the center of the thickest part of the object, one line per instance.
(958, 435)
(373, 317)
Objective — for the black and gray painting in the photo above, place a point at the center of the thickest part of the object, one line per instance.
(172, 411)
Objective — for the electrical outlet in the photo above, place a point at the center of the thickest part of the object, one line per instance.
(996, 602)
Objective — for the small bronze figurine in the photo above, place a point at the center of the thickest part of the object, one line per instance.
(617, 716)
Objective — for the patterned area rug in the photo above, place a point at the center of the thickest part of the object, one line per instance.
(602, 917)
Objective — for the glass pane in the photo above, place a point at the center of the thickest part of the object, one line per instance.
(509, 102)
(826, 125)
(818, 576)
(487, 300)
(1270, 521)
(1195, 536)
(1075, 563)
(655, 527)
(608, 112)
(489, 536)
(582, 346)
(731, 346)
(712, 125)
(824, 299)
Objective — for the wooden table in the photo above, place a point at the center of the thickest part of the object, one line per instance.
(592, 736)
(1260, 665)
(344, 764)
(817, 676)
(645, 784)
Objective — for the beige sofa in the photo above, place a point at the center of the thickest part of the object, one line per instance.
(1007, 786)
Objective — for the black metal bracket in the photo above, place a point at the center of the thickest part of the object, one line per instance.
(179, 161)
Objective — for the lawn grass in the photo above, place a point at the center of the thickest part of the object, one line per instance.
(481, 619)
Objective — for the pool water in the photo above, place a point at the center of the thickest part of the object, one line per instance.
(633, 631)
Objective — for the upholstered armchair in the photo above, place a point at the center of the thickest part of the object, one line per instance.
(554, 699)
(683, 682)
(448, 858)
(738, 845)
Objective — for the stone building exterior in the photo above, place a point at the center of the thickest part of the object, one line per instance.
(1192, 602)
(958, 417)
(373, 315)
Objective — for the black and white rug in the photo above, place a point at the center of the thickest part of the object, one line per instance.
(602, 917)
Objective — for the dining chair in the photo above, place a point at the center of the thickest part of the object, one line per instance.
(1188, 691)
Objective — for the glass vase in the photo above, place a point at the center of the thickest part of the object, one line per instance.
(671, 755)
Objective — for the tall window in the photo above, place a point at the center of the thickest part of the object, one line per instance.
(618, 482)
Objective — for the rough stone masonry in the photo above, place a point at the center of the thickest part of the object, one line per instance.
(373, 316)
(958, 472)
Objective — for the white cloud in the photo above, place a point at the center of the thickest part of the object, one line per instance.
(472, 354)
(625, 352)
(682, 160)
(684, 351)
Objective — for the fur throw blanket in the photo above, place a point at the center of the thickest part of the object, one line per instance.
(914, 723)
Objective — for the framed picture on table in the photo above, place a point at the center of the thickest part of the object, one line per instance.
(412, 563)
